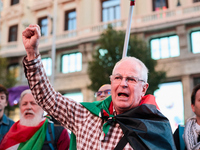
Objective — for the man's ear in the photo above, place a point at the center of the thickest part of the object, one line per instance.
(145, 87)
(192, 106)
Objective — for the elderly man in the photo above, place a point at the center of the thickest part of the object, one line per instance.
(33, 131)
(125, 120)
(103, 92)
(5, 122)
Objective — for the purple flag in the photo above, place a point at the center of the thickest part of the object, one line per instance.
(14, 94)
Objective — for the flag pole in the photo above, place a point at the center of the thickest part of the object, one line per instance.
(53, 48)
(132, 3)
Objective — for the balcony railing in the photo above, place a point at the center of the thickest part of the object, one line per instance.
(155, 18)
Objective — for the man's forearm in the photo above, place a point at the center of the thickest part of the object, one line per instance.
(56, 105)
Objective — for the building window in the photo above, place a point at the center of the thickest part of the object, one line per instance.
(195, 42)
(77, 96)
(71, 62)
(196, 81)
(160, 5)
(43, 23)
(110, 10)
(196, 1)
(70, 20)
(165, 47)
(47, 63)
(13, 33)
(13, 2)
(14, 68)
(171, 102)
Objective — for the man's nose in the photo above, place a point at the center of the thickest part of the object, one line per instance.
(123, 82)
(29, 106)
(102, 94)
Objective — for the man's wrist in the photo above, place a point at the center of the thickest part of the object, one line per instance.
(32, 56)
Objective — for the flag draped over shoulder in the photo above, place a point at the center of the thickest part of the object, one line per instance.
(28, 138)
(144, 127)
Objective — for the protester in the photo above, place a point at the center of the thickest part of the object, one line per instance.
(33, 131)
(192, 127)
(103, 92)
(5, 122)
(178, 138)
(102, 124)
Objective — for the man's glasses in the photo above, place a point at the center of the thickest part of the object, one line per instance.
(130, 79)
(99, 93)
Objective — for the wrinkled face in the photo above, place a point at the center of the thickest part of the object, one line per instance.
(127, 95)
(3, 102)
(196, 106)
(103, 92)
(31, 113)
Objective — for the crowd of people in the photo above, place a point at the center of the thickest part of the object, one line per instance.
(122, 117)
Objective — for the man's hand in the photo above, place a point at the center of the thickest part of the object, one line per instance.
(30, 37)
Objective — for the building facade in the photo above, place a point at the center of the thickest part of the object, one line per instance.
(170, 27)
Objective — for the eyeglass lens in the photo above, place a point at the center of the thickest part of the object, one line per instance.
(106, 92)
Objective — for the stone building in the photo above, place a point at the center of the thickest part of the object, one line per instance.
(170, 27)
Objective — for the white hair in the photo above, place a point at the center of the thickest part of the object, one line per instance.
(133, 59)
(23, 94)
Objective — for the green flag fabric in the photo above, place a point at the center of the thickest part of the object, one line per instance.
(36, 141)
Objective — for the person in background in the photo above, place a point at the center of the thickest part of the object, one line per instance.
(191, 134)
(33, 131)
(103, 92)
(128, 119)
(5, 122)
(178, 138)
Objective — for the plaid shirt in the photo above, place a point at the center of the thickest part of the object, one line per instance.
(72, 115)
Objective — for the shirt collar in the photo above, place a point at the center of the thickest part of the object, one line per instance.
(4, 120)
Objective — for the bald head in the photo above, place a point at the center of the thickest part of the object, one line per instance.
(133, 61)
(103, 92)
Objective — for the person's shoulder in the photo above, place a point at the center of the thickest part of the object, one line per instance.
(7, 120)
(11, 120)
(58, 128)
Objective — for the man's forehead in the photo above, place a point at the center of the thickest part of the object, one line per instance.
(197, 94)
(105, 87)
(127, 68)
(28, 98)
(2, 94)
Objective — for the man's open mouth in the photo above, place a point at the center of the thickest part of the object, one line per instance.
(26, 114)
(123, 95)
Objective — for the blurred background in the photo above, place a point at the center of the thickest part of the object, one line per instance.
(71, 30)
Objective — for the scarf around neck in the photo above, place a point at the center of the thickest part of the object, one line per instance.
(141, 125)
(190, 134)
(28, 138)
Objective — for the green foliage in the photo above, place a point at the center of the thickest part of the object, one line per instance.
(110, 51)
(7, 78)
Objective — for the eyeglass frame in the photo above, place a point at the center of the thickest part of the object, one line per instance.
(96, 93)
(136, 79)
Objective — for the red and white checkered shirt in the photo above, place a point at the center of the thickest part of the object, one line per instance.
(72, 115)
